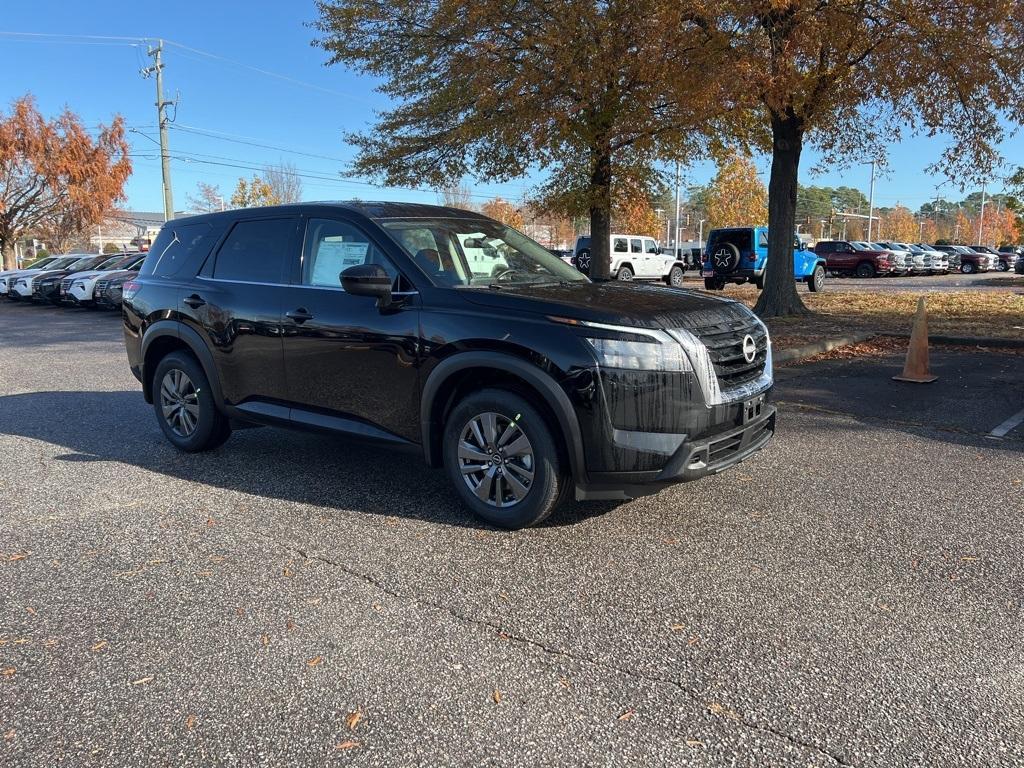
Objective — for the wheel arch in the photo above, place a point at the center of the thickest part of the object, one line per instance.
(470, 371)
(166, 336)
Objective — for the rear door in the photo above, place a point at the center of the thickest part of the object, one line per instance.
(236, 302)
(349, 364)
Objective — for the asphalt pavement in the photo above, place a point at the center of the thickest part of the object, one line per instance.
(850, 596)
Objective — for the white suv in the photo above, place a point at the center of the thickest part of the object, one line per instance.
(633, 257)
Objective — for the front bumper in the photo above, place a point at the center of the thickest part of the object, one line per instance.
(692, 460)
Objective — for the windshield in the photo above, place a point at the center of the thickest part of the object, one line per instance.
(62, 263)
(80, 264)
(859, 246)
(477, 253)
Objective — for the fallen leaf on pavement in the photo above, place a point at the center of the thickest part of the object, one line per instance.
(968, 559)
(352, 719)
(564, 682)
(496, 696)
(143, 681)
(717, 709)
(629, 714)
(99, 646)
(8, 671)
(694, 639)
(32, 611)
(239, 611)
(190, 722)
(17, 556)
(314, 661)
(289, 624)
(347, 744)
(265, 639)
(694, 743)
(9, 736)
(677, 627)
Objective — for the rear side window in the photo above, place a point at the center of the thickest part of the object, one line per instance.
(255, 251)
(174, 246)
(635, 246)
(825, 247)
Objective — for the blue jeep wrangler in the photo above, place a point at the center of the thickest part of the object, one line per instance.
(739, 255)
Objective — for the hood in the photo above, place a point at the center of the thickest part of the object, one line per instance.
(615, 303)
(19, 272)
(119, 274)
(85, 275)
(43, 273)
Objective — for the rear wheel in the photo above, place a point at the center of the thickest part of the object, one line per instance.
(759, 282)
(865, 269)
(714, 283)
(675, 276)
(184, 405)
(624, 273)
(967, 267)
(502, 459)
(1004, 266)
(816, 280)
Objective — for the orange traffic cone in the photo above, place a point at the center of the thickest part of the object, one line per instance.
(915, 369)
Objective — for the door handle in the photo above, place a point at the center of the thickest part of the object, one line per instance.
(195, 301)
(299, 315)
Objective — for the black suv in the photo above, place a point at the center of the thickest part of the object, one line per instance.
(443, 329)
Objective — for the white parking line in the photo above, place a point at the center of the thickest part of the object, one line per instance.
(1009, 425)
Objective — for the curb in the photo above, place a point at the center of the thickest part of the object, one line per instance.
(825, 345)
(964, 341)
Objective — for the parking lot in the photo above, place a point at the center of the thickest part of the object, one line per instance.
(850, 596)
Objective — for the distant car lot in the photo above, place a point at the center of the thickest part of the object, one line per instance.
(280, 603)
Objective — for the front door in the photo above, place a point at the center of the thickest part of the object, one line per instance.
(350, 364)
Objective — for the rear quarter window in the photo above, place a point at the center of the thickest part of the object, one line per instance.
(176, 246)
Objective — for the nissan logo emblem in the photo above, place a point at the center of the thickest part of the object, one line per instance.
(749, 348)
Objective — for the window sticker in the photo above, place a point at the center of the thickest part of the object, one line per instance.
(333, 256)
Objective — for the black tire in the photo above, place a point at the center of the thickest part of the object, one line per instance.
(714, 284)
(1004, 266)
(967, 268)
(865, 269)
(625, 273)
(550, 481)
(816, 280)
(725, 258)
(759, 282)
(583, 261)
(211, 428)
(675, 276)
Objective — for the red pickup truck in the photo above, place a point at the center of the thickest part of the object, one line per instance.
(849, 258)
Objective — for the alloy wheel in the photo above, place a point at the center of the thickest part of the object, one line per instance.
(179, 402)
(496, 459)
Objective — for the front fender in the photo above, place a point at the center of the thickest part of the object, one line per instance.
(553, 394)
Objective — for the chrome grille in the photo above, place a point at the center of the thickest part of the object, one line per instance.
(65, 284)
(724, 342)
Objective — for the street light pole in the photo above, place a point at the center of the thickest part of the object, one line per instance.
(676, 243)
(871, 201)
(981, 217)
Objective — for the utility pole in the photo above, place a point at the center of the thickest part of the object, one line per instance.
(981, 217)
(161, 116)
(676, 243)
(871, 201)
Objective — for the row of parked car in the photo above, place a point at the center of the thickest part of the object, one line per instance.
(76, 279)
(865, 259)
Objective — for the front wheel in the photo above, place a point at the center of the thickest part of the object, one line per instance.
(967, 267)
(675, 276)
(816, 281)
(865, 269)
(1004, 267)
(502, 459)
(184, 405)
(624, 273)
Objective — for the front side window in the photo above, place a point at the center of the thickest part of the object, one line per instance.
(255, 251)
(650, 246)
(454, 252)
(331, 247)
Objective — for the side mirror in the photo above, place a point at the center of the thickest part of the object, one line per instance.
(368, 280)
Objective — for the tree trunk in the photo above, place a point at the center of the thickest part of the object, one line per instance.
(779, 297)
(7, 247)
(601, 215)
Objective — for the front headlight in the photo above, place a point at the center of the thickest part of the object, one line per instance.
(650, 355)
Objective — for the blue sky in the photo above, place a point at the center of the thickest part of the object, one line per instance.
(223, 104)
